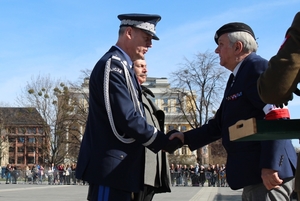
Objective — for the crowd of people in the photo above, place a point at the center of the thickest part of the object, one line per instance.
(198, 175)
(181, 175)
(62, 174)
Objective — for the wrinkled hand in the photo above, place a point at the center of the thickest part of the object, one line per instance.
(174, 142)
(270, 178)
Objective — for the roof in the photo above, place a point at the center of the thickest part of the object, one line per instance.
(20, 116)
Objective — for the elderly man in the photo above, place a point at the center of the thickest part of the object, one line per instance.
(112, 152)
(264, 169)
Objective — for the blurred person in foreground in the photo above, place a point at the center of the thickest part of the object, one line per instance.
(263, 169)
(277, 84)
(157, 174)
(112, 153)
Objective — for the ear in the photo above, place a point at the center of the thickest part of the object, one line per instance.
(238, 47)
(129, 32)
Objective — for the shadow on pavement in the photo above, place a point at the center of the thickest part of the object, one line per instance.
(220, 197)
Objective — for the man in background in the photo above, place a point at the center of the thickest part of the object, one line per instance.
(157, 174)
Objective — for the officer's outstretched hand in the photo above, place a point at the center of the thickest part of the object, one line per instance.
(175, 141)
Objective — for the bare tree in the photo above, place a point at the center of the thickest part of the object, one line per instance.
(201, 83)
(3, 140)
(3, 135)
(79, 93)
(53, 101)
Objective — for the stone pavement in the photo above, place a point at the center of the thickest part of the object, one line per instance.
(200, 194)
(44, 192)
(33, 192)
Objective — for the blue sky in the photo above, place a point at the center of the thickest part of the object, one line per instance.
(63, 37)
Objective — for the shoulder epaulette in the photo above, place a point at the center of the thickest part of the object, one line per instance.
(116, 57)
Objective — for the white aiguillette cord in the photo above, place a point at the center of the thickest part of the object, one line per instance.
(132, 92)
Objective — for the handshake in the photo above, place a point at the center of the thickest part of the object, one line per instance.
(176, 141)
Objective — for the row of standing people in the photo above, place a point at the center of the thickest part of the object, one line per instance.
(60, 174)
(37, 174)
(11, 174)
(215, 175)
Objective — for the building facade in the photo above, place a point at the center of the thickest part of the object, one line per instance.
(173, 102)
(23, 137)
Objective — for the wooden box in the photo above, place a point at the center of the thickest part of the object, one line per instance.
(258, 130)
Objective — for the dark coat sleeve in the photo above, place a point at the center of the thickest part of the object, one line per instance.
(280, 80)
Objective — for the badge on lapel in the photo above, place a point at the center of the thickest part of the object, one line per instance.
(234, 96)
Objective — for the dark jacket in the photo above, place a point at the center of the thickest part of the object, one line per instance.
(103, 158)
(157, 172)
(245, 159)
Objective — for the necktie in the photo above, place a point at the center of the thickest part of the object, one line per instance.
(229, 83)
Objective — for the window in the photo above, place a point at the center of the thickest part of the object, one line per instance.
(20, 160)
(41, 130)
(184, 149)
(204, 149)
(178, 109)
(40, 160)
(11, 149)
(21, 139)
(183, 128)
(39, 140)
(11, 160)
(171, 127)
(31, 130)
(21, 130)
(165, 101)
(30, 159)
(166, 109)
(11, 139)
(21, 149)
(31, 140)
(30, 149)
(12, 130)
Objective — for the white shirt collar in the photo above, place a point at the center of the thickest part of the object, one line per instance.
(236, 69)
(126, 56)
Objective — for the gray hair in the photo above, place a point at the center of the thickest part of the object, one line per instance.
(122, 30)
(249, 43)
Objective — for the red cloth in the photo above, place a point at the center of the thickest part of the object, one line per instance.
(278, 113)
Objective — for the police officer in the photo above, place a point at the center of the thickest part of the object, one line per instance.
(112, 152)
(277, 84)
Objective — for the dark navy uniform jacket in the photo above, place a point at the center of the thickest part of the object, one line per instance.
(245, 159)
(103, 158)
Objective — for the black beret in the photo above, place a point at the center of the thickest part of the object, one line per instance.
(233, 27)
(146, 22)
